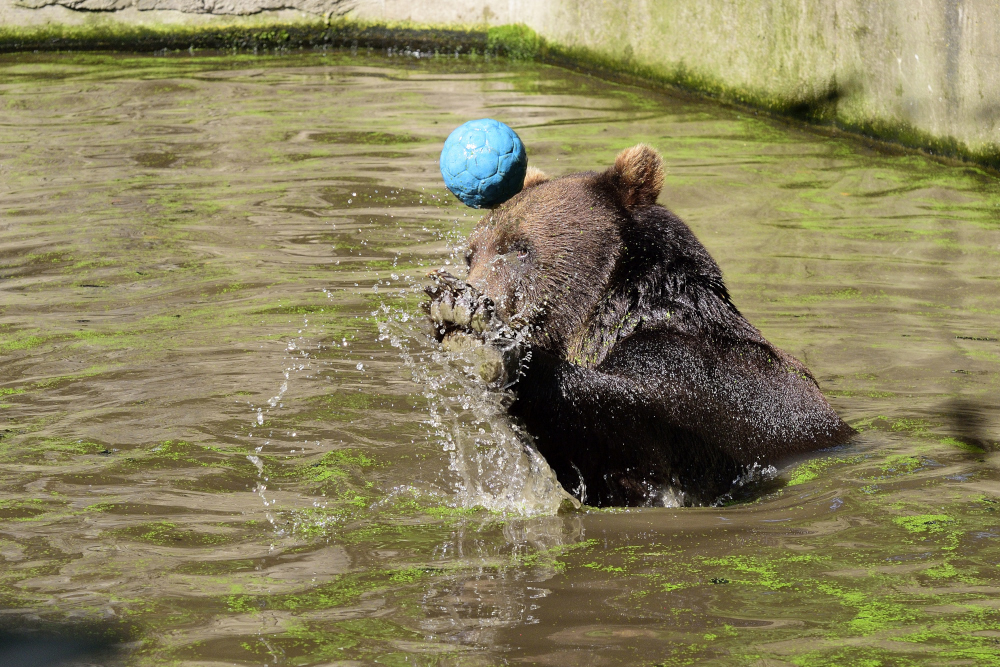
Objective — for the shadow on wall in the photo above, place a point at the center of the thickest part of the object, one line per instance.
(822, 106)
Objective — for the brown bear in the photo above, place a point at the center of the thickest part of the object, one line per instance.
(628, 363)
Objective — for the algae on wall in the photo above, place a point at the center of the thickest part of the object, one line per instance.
(924, 74)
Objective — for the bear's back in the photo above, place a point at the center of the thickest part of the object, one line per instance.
(715, 372)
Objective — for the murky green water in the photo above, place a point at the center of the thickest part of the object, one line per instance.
(224, 428)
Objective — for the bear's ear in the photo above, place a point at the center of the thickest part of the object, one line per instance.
(637, 176)
(534, 177)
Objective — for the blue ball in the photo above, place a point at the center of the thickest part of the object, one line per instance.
(483, 163)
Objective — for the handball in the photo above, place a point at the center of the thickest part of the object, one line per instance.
(483, 163)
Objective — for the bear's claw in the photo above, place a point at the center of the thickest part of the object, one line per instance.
(463, 319)
(457, 306)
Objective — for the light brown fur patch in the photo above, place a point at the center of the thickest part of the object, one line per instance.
(534, 177)
(638, 172)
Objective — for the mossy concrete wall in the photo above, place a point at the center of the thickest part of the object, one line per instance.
(922, 72)
(925, 72)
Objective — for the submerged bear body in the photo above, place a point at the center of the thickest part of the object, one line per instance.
(630, 367)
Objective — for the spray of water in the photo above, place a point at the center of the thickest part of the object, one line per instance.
(493, 463)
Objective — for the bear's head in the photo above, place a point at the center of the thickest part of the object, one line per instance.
(545, 256)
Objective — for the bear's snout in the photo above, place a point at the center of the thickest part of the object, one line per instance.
(457, 306)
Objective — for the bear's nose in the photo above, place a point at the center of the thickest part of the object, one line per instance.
(479, 282)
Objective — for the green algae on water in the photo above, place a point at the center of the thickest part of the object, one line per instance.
(208, 429)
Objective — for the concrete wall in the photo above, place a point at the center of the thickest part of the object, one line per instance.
(925, 72)
(130, 8)
(163, 12)
(926, 66)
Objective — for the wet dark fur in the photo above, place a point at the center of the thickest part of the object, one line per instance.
(641, 372)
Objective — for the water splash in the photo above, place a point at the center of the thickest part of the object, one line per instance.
(299, 358)
(493, 463)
